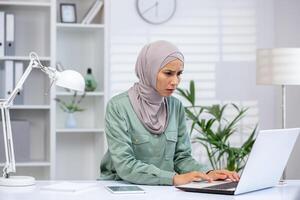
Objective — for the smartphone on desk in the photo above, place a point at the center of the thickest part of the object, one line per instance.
(125, 189)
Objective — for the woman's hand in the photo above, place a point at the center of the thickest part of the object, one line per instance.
(180, 179)
(223, 174)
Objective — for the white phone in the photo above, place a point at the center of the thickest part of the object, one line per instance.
(125, 189)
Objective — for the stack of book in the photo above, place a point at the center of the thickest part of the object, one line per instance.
(92, 12)
(11, 72)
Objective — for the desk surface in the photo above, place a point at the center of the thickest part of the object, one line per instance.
(289, 191)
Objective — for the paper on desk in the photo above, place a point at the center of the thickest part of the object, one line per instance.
(68, 186)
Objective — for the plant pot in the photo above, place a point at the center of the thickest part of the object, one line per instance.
(70, 121)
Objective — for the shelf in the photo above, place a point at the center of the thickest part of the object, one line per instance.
(25, 58)
(30, 164)
(87, 94)
(78, 47)
(30, 107)
(80, 130)
(79, 26)
(25, 3)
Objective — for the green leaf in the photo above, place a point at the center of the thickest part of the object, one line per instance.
(192, 92)
(247, 146)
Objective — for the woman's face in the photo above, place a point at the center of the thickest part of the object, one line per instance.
(168, 78)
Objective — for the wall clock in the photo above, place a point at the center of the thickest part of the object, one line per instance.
(156, 11)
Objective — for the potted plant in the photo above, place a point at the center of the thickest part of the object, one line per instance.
(212, 130)
(71, 107)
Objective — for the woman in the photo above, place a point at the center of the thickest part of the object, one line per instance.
(146, 129)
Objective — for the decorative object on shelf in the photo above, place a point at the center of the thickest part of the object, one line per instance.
(278, 66)
(70, 108)
(92, 12)
(156, 11)
(68, 13)
(73, 106)
(71, 121)
(68, 78)
(212, 130)
(90, 82)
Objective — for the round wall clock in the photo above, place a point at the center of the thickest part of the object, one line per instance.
(156, 11)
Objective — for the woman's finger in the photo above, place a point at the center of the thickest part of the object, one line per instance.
(228, 174)
(203, 176)
(236, 176)
(231, 175)
(220, 176)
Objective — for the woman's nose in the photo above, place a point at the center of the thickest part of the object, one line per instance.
(175, 81)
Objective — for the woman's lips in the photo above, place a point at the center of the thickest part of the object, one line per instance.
(171, 90)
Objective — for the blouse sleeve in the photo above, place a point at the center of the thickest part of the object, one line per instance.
(183, 160)
(121, 150)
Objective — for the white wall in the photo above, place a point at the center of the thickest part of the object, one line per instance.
(287, 29)
(234, 79)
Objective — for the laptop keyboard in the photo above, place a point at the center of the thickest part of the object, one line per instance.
(223, 186)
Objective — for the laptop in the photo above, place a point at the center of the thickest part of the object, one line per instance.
(264, 167)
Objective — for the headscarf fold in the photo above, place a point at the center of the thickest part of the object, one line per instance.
(150, 107)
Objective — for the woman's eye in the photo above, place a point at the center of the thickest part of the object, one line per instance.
(179, 74)
(168, 73)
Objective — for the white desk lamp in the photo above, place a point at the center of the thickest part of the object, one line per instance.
(279, 66)
(68, 79)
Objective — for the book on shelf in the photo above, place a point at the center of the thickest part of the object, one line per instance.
(19, 70)
(2, 33)
(92, 12)
(7, 34)
(8, 78)
(10, 73)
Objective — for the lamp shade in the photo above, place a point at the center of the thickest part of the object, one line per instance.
(278, 66)
(71, 80)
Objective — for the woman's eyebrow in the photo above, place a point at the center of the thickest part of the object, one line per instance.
(171, 70)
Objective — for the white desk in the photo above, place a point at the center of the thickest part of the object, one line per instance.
(290, 191)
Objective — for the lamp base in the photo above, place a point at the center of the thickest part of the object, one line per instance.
(14, 181)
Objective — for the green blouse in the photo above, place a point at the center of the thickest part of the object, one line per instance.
(137, 156)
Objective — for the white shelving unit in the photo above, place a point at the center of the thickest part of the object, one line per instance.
(32, 35)
(57, 152)
(81, 46)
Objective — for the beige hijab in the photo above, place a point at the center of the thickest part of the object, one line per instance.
(150, 107)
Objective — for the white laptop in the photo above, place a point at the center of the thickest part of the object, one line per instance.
(264, 167)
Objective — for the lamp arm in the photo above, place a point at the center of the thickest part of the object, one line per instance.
(4, 106)
(10, 164)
